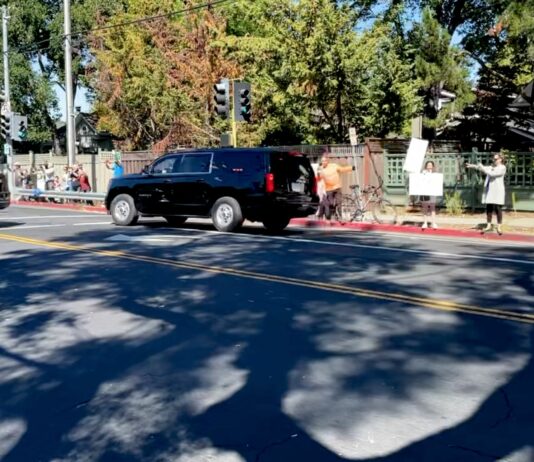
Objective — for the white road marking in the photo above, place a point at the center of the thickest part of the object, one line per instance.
(42, 217)
(465, 240)
(449, 255)
(97, 223)
(149, 238)
(33, 227)
(365, 246)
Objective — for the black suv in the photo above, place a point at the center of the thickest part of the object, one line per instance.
(228, 185)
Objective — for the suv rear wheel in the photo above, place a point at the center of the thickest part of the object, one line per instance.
(123, 210)
(275, 224)
(226, 214)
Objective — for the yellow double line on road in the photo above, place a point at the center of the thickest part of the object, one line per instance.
(443, 305)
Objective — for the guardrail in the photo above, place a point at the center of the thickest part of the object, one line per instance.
(70, 195)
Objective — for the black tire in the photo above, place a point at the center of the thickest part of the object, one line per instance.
(226, 214)
(275, 224)
(123, 210)
(175, 221)
(384, 212)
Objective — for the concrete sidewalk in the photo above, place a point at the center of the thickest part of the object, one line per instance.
(522, 222)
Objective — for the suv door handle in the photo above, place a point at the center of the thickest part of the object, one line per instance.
(201, 181)
(167, 181)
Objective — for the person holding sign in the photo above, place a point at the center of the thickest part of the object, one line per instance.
(428, 203)
(494, 192)
(428, 185)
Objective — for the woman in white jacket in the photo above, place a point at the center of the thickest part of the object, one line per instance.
(494, 192)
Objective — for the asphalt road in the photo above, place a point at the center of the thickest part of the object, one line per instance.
(154, 343)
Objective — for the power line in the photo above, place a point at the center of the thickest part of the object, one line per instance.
(31, 49)
(152, 18)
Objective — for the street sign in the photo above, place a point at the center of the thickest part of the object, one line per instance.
(353, 135)
(6, 149)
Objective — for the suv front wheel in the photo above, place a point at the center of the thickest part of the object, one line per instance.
(123, 210)
(226, 214)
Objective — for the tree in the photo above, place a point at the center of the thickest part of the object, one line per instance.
(438, 66)
(315, 76)
(153, 80)
(37, 57)
(508, 66)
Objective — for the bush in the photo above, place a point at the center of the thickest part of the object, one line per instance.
(454, 203)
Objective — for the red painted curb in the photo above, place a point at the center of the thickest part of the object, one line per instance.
(52, 205)
(407, 229)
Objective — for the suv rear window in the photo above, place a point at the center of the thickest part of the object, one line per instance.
(292, 172)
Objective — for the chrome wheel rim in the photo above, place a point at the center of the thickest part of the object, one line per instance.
(225, 214)
(122, 210)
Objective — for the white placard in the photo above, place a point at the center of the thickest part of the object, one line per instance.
(415, 155)
(426, 184)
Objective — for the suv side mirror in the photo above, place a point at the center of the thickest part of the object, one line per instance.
(146, 169)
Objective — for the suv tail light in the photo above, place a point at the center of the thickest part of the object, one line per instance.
(269, 182)
(314, 186)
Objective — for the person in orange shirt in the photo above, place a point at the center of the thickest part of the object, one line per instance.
(329, 173)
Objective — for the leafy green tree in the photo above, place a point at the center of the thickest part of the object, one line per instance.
(438, 66)
(37, 57)
(314, 75)
(507, 67)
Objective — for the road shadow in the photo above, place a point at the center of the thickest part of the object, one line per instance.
(110, 359)
(9, 224)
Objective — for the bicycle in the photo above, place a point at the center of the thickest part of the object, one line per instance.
(354, 206)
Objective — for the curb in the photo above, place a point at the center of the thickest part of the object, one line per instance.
(52, 205)
(408, 229)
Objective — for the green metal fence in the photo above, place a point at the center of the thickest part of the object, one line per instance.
(519, 177)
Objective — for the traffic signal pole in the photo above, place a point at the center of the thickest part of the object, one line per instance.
(7, 93)
(234, 121)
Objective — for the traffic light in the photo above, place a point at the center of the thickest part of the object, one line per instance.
(22, 129)
(5, 125)
(242, 106)
(222, 98)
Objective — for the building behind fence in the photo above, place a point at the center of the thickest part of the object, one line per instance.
(375, 160)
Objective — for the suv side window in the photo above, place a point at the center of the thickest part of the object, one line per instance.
(195, 163)
(165, 165)
(239, 162)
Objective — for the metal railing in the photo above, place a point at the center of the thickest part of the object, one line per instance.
(67, 195)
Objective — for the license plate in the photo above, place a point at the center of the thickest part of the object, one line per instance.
(297, 187)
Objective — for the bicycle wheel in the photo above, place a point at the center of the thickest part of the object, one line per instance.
(348, 208)
(384, 211)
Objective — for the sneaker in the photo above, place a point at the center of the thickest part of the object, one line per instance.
(487, 229)
(499, 230)
(434, 226)
(425, 226)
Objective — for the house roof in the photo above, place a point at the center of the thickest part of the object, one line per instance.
(91, 121)
(525, 99)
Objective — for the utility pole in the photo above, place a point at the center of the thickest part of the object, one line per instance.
(234, 124)
(7, 93)
(68, 85)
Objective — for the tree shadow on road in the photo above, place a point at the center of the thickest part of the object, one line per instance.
(106, 359)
